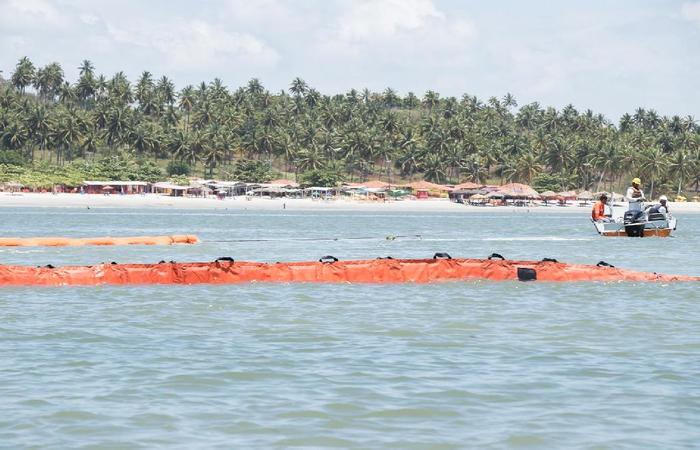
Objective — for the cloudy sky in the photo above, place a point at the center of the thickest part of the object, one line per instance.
(609, 56)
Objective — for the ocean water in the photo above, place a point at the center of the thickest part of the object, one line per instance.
(454, 365)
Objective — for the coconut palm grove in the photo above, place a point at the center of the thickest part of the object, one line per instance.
(58, 131)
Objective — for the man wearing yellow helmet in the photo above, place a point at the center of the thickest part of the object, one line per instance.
(635, 195)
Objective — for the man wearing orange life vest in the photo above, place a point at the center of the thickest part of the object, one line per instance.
(598, 213)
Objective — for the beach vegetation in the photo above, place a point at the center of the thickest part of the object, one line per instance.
(249, 133)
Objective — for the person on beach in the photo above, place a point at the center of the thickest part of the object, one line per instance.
(598, 213)
(635, 195)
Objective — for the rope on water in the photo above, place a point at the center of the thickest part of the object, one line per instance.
(349, 238)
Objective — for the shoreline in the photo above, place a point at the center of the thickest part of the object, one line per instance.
(65, 200)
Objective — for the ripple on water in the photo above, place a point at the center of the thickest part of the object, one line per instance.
(475, 364)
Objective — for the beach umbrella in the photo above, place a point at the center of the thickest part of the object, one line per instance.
(495, 194)
(568, 195)
(477, 197)
(107, 188)
(519, 190)
(549, 195)
(585, 195)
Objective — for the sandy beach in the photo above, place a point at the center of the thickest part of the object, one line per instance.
(266, 204)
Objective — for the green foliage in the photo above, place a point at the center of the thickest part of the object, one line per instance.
(11, 157)
(178, 168)
(362, 134)
(252, 171)
(180, 180)
(43, 175)
(546, 182)
(321, 177)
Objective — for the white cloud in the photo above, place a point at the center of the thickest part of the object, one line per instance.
(371, 19)
(691, 11)
(89, 19)
(393, 29)
(194, 43)
(30, 14)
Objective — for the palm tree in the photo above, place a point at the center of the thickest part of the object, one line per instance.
(653, 163)
(298, 87)
(15, 135)
(527, 166)
(23, 75)
(87, 85)
(187, 101)
(433, 168)
(681, 166)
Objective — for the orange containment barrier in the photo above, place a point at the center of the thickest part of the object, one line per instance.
(326, 270)
(66, 242)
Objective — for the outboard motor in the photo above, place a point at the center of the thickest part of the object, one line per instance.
(634, 223)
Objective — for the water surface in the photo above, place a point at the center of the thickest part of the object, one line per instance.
(454, 365)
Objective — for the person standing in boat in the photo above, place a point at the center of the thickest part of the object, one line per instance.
(599, 210)
(635, 195)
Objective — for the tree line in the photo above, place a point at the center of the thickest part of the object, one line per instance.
(354, 135)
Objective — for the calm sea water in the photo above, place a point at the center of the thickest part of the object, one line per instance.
(454, 365)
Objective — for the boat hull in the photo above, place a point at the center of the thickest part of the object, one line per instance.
(653, 228)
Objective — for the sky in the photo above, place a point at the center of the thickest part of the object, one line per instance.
(608, 56)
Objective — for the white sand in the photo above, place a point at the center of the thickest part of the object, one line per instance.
(254, 204)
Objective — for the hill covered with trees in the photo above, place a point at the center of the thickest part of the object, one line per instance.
(59, 126)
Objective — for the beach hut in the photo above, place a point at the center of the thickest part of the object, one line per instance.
(229, 188)
(12, 186)
(376, 184)
(477, 199)
(171, 189)
(549, 195)
(584, 198)
(319, 192)
(468, 185)
(519, 190)
(123, 187)
(461, 195)
(423, 189)
(283, 183)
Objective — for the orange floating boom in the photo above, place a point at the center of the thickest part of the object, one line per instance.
(70, 242)
(227, 271)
